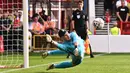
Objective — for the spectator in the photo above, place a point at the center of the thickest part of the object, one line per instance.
(114, 7)
(16, 34)
(122, 13)
(1, 36)
(43, 15)
(119, 3)
(115, 30)
(1, 43)
(65, 23)
(36, 27)
(108, 5)
(50, 26)
(17, 22)
(20, 15)
(6, 25)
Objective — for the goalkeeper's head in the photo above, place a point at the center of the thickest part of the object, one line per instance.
(61, 32)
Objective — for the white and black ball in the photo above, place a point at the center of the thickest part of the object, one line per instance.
(98, 23)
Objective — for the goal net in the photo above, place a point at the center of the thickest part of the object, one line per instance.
(11, 34)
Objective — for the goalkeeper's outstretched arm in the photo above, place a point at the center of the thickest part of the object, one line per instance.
(49, 39)
(54, 42)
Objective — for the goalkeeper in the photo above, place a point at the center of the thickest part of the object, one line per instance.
(72, 45)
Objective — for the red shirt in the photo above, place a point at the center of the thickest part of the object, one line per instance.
(16, 23)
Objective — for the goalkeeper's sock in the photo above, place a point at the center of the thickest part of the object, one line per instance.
(65, 64)
(52, 52)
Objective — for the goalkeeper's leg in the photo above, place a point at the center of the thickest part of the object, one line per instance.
(45, 54)
(66, 64)
(76, 60)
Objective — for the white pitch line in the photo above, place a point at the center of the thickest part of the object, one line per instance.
(42, 65)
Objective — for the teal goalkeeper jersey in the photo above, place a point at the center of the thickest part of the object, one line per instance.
(69, 47)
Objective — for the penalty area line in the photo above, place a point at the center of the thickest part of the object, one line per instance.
(43, 64)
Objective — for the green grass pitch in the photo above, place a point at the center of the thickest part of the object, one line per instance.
(106, 63)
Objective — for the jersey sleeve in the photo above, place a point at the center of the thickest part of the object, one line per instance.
(73, 16)
(86, 17)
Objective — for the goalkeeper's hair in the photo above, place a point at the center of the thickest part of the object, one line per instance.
(61, 32)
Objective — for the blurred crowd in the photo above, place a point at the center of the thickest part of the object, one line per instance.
(119, 9)
(41, 24)
(11, 28)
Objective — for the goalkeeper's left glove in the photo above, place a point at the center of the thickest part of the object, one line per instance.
(48, 38)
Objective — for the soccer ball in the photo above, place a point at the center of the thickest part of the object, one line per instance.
(98, 23)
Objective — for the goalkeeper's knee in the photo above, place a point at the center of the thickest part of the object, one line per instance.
(77, 62)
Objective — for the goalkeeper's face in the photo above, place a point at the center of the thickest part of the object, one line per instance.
(66, 36)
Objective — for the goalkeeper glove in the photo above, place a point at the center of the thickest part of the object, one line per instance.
(48, 38)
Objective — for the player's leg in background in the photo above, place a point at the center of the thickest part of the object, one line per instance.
(90, 48)
(84, 37)
(91, 53)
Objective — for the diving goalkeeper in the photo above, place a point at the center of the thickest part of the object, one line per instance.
(72, 45)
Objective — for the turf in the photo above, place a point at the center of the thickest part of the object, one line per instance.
(107, 63)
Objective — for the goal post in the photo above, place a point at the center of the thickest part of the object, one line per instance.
(14, 35)
(26, 36)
